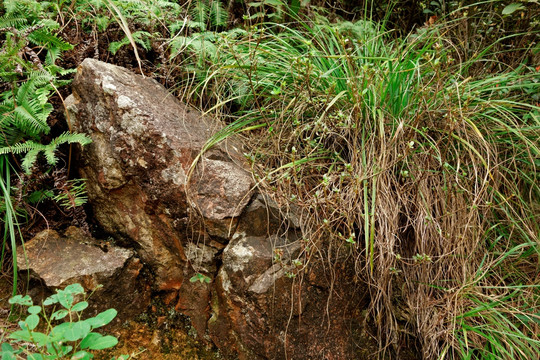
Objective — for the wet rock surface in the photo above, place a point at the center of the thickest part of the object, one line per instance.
(254, 300)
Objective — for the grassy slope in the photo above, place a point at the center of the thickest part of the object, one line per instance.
(413, 159)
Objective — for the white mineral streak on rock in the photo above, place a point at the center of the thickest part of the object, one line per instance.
(108, 85)
(175, 174)
(267, 279)
(239, 255)
(124, 102)
(225, 281)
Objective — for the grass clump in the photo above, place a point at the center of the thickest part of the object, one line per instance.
(408, 162)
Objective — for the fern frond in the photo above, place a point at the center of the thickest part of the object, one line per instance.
(70, 138)
(201, 43)
(26, 88)
(21, 148)
(36, 80)
(12, 20)
(49, 154)
(199, 26)
(236, 33)
(218, 14)
(29, 160)
(44, 38)
(140, 37)
(10, 6)
(52, 55)
(33, 149)
(31, 117)
(163, 4)
(65, 138)
(200, 12)
(73, 194)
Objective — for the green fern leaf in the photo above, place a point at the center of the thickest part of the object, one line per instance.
(71, 138)
(31, 118)
(200, 12)
(49, 151)
(44, 38)
(20, 148)
(29, 160)
(218, 14)
(16, 21)
(33, 149)
(140, 37)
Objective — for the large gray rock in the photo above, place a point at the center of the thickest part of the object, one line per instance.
(138, 176)
(144, 142)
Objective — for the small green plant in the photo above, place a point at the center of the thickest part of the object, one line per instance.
(72, 194)
(71, 339)
(200, 278)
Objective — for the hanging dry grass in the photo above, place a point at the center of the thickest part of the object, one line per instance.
(404, 165)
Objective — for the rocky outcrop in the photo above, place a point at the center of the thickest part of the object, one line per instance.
(250, 297)
(75, 257)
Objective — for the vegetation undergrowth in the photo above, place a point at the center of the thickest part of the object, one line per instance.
(411, 158)
(24, 109)
(65, 334)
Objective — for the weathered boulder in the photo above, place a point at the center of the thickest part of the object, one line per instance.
(255, 300)
(138, 168)
(75, 257)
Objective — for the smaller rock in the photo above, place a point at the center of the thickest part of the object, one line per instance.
(222, 191)
(58, 261)
(264, 217)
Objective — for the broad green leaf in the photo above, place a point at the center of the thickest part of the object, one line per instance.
(52, 347)
(74, 289)
(64, 350)
(32, 321)
(65, 299)
(34, 309)
(36, 357)
(104, 342)
(60, 314)
(21, 300)
(510, 9)
(102, 319)
(23, 335)
(95, 341)
(90, 339)
(53, 299)
(80, 306)
(40, 339)
(60, 329)
(7, 347)
(6, 355)
(77, 331)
